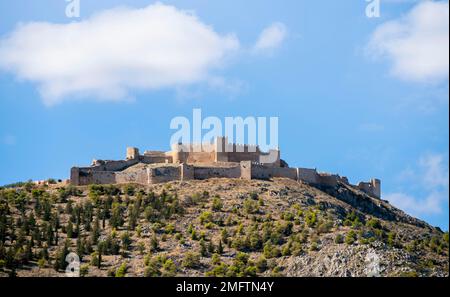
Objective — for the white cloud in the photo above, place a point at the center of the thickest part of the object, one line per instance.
(271, 37)
(432, 177)
(115, 51)
(429, 205)
(417, 44)
(435, 171)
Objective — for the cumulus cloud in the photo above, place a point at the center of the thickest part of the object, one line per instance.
(429, 205)
(271, 37)
(417, 44)
(115, 51)
(431, 176)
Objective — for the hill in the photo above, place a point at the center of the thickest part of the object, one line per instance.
(215, 227)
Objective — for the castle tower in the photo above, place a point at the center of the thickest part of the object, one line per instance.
(132, 153)
(376, 185)
(220, 144)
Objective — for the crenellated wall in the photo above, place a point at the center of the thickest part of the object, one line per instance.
(222, 151)
(217, 160)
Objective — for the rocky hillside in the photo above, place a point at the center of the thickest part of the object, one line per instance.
(217, 227)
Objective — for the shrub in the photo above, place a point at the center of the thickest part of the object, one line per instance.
(41, 263)
(203, 250)
(209, 225)
(95, 259)
(84, 270)
(129, 190)
(271, 251)
(154, 243)
(288, 216)
(250, 271)
(215, 259)
(242, 257)
(126, 240)
(373, 223)
(205, 217)
(311, 218)
(218, 271)
(191, 260)
(122, 270)
(350, 238)
(391, 238)
(296, 249)
(250, 206)
(253, 196)
(169, 268)
(261, 264)
(170, 228)
(141, 248)
(324, 227)
(153, 268)
(286, 249)
(217, 204)
(339, 239)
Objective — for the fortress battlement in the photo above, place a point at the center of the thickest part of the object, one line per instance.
(202, 161)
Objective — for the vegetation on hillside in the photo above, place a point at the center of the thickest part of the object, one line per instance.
(131, 230)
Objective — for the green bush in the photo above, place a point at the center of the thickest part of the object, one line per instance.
(217, 204)
(373, 223)
(250, 206)
(350, 238)
(205, 217)
(220, 270)
(261, 264)
(95, 259)
(339, 239)
(129, 190)
(325, 227)
(391, 239)
(286, 249)
(153, 268)
(191, 260)
(311, 218)
(126, 240)
(215, 259)
(122, 270)
(169, 268)
(271, 251)
(84, 270)
(41, 263)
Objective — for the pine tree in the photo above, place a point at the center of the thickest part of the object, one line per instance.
(100, 250)
(220, 247)
(154, 243)
(69, 230)
(95, 233)
(203, 248)
(29, 251)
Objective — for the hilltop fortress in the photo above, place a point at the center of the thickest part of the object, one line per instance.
(217, 160)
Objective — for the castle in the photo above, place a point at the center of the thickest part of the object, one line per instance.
(194, 161)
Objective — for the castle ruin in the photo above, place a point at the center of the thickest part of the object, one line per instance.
(211, 160)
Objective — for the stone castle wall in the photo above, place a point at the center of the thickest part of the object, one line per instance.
(217, 160)
(220, 151)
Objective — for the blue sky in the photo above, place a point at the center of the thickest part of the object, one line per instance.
(351, 92)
